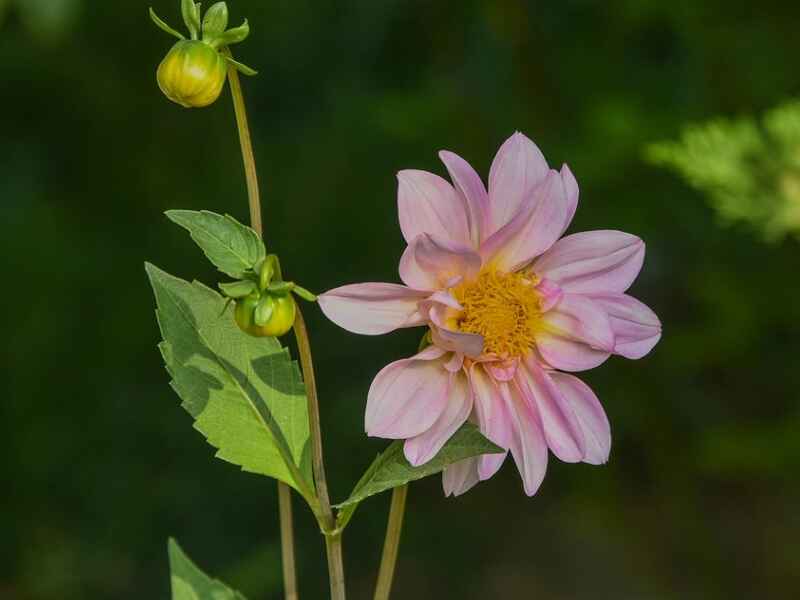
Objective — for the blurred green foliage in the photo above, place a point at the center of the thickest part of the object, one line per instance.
(749, 169)
(100, 464)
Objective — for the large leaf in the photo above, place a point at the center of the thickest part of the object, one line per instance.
(190, 583)
(232, 247)
(245, 394)
(391, 469)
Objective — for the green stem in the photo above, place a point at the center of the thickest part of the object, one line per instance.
(333, 541)
(254, 199)
(391, 544)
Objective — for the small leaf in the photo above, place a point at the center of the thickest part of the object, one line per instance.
(233, 36)
(264, 310)
(241, 67)
(233, 248)
(304, 294)
(190, 583)
(163, 26)
(245, 394)
(281, 287)
(215, 21)
(190, 18)
(238, 289)
(391, 469)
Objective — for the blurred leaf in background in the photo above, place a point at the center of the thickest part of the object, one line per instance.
(749, 168)
(47, 19)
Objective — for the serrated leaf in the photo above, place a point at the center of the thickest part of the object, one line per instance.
(232, 247)
(245, 394)
(391, 469)
(188, 582)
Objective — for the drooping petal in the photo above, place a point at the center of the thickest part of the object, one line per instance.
(528, 445)
(407, 396)
(636, 327)
(429, 262)
(468, 183)
(517, 169)
(373, 308)
(427, 203)
(576, 334)
(460, 477)
(590, 413)
(493, 420)
(532, 230)
(593, 262)
(572, 194)
(445, 336)
(562, 429)
(423, 447)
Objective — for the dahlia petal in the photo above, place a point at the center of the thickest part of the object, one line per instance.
(373, 308)
(493, 420)
(636, 327)
(468, 183)
(517, 169)
(528, 445)
(460, 477)
(502, 370)
(443, 336)
(550, 292)
(593, 262)
(533, 229)
(429, 262)
(562, 429)
(422, 448)
(576, 334)
(427, 203)
(590, 414)
(407, 396)
(572, 194)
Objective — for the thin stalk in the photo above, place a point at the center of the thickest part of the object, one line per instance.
(333, 540)
(391, 544)
(254, 200)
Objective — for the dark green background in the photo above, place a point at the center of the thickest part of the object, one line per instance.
(100, 464)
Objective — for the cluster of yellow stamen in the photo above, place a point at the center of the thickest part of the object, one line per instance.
(502, 307)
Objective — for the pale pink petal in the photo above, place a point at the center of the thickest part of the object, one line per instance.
(446, 298)
(532, 230)
(429, 204)
(460, 477)
(423, 447)
(636, 327)
(456, 363)
(407, 396)
(493, 420)
(504, 370)
(430, 262)
(528, 445)
(468, 183)
(593, 262)
(590, 413)
(572, 191)
(444, 336)
(561, 426)
(575, 335)
(517, 169)
(372, 308)
(550, 292)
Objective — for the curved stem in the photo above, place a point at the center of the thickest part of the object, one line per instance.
(254, 200)
(391, 544)
(333, 541)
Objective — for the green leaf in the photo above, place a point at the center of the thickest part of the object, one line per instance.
(245, 393)
(238, 289)
(233, 248)
(163, 26)
(215, 21)
(391, 469)
(241, 67)
(233, 36)
(190, 583)
(191, 17)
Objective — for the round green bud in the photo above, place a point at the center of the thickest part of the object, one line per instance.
(280, 320)
(192, 74)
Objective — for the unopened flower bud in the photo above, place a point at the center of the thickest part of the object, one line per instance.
(266, 316)
(192, 74)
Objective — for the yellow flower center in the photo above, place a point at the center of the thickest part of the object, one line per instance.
(502, 307)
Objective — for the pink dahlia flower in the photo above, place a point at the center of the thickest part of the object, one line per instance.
(510, 310)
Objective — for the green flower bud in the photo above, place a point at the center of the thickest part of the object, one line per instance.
(265, 316)
(192, 74)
